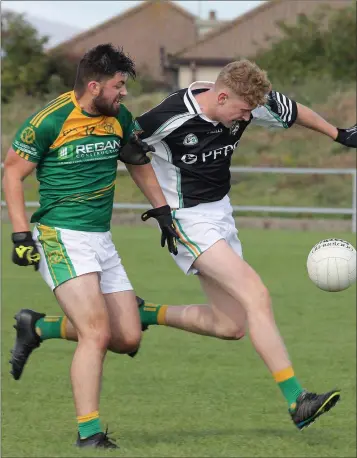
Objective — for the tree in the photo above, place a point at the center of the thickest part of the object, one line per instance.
(323, 45)
(24, 61)
(62, 71)
(341, 46)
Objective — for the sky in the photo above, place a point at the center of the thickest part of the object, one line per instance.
(86, 14)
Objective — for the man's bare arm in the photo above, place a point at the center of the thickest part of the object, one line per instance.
(145, 178)
(310, 119)
(16, 169)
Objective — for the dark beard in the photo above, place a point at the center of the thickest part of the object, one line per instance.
(103, 107)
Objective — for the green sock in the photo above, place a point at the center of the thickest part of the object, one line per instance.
(289, 385)
(51, 327)
(152, 313)
(89, 425)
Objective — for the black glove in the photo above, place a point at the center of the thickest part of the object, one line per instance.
(168, 232)
(134, 152)
(347, 137)
(25, 252)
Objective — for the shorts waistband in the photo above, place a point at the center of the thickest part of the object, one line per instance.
(223, 203)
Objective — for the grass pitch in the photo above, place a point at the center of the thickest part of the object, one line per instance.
(186, 395)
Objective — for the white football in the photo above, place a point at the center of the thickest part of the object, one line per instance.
(331, 265)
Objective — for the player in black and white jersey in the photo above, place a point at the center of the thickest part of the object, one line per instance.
(193, 152)
(194, 132)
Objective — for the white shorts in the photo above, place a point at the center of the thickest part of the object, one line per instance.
(202, 226)
(67, 254)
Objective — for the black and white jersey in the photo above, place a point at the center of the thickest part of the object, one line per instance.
(193, 153)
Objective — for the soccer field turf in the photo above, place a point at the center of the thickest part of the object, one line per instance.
(186, 395)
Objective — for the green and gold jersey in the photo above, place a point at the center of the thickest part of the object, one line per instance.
(76, 155)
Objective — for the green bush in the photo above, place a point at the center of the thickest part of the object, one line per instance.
(320, 46)
(24, 63)
(28, 70)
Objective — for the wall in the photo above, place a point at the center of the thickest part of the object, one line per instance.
(185, 77)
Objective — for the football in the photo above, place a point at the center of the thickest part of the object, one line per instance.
(331, 265)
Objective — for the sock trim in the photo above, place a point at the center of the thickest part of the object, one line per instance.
(88, 417)
(161, 315)
(63, 327)
(283, 375)
(51, 319)
(148, 308)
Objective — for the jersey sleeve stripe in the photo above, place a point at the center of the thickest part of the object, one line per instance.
(53, 102)
(286, 106)
(50, 110)
(285, 103)
(189, 104)
(169, 126)
(36, 121)
(290, 110)
(283, 107)
(22, 154)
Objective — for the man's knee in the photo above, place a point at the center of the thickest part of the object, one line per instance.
(255, 296)
(231, 326)
(127, 343)
(230, 331)
(95, 330)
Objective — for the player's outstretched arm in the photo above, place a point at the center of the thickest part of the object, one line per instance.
(312, 120)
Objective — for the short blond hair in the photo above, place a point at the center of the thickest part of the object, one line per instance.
(246, 80)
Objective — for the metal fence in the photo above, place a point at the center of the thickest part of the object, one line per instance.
(251, 208)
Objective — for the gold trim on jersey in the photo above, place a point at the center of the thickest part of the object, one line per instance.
(61, 101)
(22, 154)
(107, 126)
(51, 110)
(78, 126)
(60, 98)
(89, 195)
(75, 101)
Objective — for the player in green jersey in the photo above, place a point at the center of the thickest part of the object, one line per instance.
(74, 143)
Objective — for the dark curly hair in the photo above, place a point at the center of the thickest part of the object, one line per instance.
(102, 62)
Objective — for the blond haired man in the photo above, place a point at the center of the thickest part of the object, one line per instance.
(195, 132)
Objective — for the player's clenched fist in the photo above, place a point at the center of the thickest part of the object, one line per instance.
(135, 151)
(168, 231)
(348, 137)
(25, 252)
